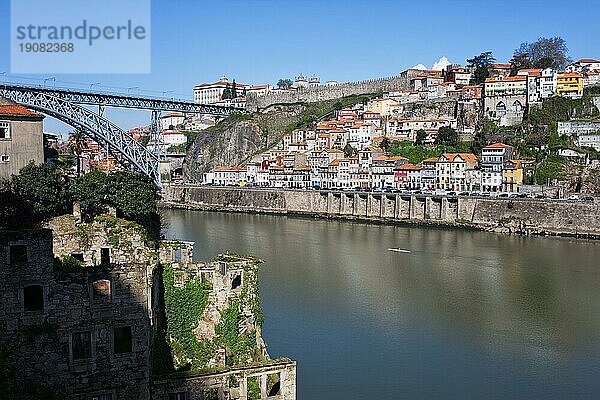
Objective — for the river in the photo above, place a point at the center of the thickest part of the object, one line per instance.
(464, 315)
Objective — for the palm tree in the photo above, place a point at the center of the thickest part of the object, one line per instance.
(77, 142)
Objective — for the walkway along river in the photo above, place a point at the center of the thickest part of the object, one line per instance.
(464, 315)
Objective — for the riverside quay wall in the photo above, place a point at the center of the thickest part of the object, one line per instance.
(523, 216)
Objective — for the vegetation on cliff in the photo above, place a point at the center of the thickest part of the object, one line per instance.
(237, 138)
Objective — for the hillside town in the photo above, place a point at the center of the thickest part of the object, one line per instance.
(356, 147)
(352, 149)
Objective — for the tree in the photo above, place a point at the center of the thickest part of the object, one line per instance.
(385, 144)
(480, 65)
(349, 151)
(447, 136)
(479, 142)
(421, 136)
(91, 192)
(45, 190)
(284, 83)
(234, 90)
(77, 142)
(226, 92)
(134, 197)
(520, 61)
(546, 53)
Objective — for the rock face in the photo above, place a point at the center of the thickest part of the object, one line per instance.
(238, 138)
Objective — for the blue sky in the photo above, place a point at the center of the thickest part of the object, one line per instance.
(262, 41)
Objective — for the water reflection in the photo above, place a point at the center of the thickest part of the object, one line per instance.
(464, 315)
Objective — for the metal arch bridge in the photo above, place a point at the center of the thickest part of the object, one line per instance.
(64, 105)
(122, 100)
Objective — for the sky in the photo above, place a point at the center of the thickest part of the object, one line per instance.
(255, 42)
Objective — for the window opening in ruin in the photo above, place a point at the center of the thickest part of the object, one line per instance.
(18, 254)
(81, 345)
(223, 266)
(237, 281)
(4, 130)
(177, 255)
(122, 340)
(273, 384)
(177, 396)
(105, 256)
(77, 256)
(33, 298)
(101, 291)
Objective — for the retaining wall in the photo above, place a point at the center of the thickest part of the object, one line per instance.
(525, 216)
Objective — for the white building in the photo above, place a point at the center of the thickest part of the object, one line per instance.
(229, 176)
(210, 93)
(171, 120)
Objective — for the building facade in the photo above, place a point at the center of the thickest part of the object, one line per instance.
(21, 138)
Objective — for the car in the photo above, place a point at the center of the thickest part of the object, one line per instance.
(451, 193)
(540, 196)
(573, 197)
(588, 199)
(485, 194)
(504, 195)
(464, 194)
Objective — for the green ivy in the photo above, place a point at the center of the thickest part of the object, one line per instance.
(183, 307)
(253, 389)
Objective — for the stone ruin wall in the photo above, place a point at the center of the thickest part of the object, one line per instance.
(322, 93)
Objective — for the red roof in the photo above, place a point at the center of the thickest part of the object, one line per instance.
(498, 146)
(15, 109)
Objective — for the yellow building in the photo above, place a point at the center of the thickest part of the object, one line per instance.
(383, 106)
(512, 175)
(569, 84)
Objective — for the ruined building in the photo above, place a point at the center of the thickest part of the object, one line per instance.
(91, 311)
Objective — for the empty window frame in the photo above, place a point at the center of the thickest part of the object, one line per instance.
(81, 345)
(122, 340)
(33, 298)
(18, 254)
(101, 291)
(105, 256)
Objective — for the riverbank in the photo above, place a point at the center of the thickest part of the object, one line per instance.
(519, 216)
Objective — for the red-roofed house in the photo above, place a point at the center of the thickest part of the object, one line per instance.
(21, 138)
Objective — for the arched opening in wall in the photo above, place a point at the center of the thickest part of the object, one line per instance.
(33, 298)
(101, 291)
(273, 384)
(501, 108)
(236, 282)
(517, 106)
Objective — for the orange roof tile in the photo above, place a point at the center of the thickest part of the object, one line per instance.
(16, 109)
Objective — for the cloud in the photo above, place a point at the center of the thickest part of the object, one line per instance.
(419, 66)
(442, 63)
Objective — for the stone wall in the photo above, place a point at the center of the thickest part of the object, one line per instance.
(526, 216)
(81, 315)
(102, 305)
(322, 93)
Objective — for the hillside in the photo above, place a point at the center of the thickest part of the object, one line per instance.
(238, 137)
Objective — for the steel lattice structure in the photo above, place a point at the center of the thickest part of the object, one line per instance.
(123, 147)
(123, 101)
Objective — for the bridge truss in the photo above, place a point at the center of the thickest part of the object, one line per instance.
(65, 105)
(126, 150)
